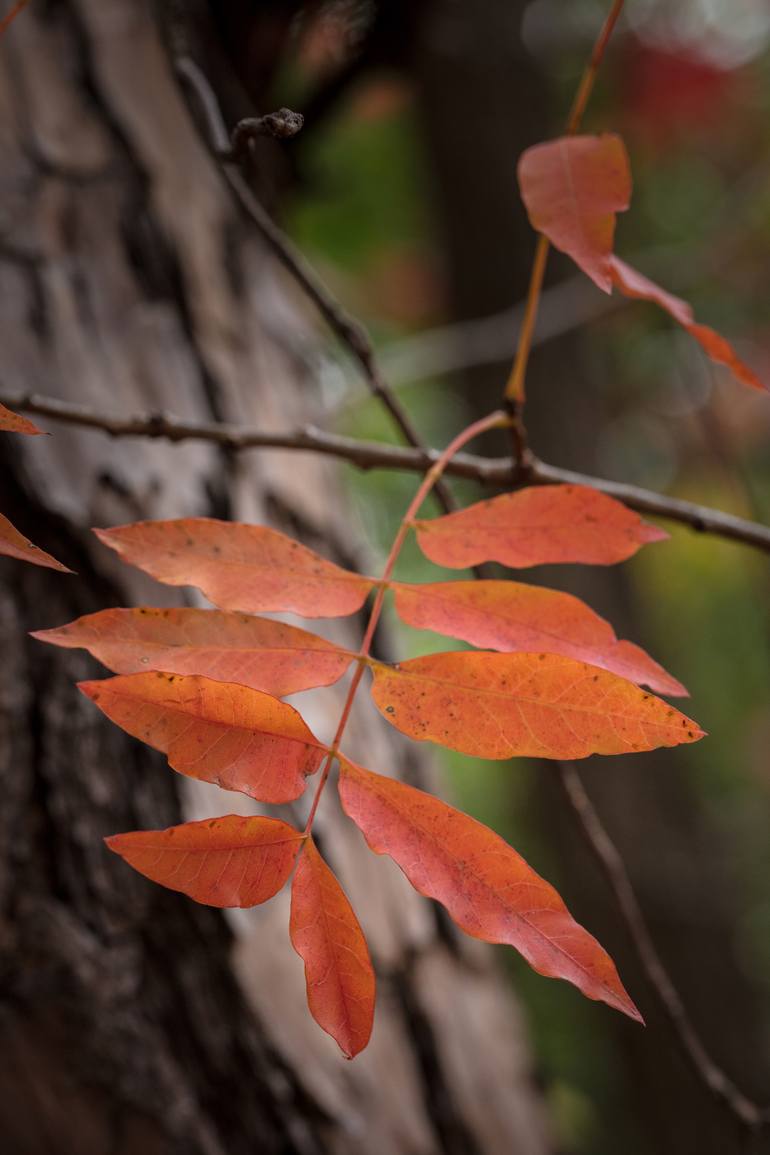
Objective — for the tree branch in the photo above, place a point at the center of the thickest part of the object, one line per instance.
(491, 471)
(608, 857)
(348, 330)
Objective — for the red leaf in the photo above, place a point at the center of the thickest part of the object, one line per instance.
(633, 284)
(553, 523)
(572, 188)
(13, 423)
(240, 567)
(488, 889)
(14, 544)
(227, 647)
(218, 732)
(325, 933)
(524, 705)
(230, 861)
(512, 616)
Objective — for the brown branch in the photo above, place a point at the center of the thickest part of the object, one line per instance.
(491, 471)
(348, 330)
(746, 1112)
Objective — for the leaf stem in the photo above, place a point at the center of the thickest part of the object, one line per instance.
(514, 389)
(495, 420)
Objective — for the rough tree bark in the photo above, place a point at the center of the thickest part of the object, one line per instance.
(132, 1020)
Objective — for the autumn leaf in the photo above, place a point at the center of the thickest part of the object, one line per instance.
(535, 526)
(230, 861)
(219, 732)
(487, 888)
(633, 284)
(14, 544)
(511, 616)
(228, 647)
(572, 188)
(240, 567)
(13, 423)
(325, 933)
(524, 705)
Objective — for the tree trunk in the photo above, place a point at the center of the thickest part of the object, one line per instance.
(133, 1020)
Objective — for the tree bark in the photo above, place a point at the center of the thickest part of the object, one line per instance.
(133, 1020)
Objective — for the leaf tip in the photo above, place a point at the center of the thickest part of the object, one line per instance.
(649, 533)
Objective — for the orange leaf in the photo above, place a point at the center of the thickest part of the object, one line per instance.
(325, 933)
(230, 861)
(572, 188)
(219, 732)
(528, 705)
(488, 889)
(553, 523)
(14, 544)
(511, 616)
(633, 284)
(13, 423)
(240, 567)
(227, 647)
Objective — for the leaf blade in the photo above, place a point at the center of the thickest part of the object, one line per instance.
(572, 188)
(524, 705)
(634, 284)
(537, 526)
(487, 888)
(11, 422)
(239, 567)
(226, 862)
(512, 616)
(220, 732)
(225, 646)
(14, 544)
(326, 935)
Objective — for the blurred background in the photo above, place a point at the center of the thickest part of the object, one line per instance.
(406, 199)
(129, 282)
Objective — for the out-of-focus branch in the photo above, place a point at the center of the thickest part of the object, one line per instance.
(349, 331)
(607, 855)
(491, 471)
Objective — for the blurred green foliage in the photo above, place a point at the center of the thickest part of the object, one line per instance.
(704, 601)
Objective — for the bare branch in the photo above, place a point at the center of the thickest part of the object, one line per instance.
(491, 471)
(608, 857)
(350, 332)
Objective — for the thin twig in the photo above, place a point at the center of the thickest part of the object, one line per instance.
(349, 331)
(490, 471)
(747, 1113)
